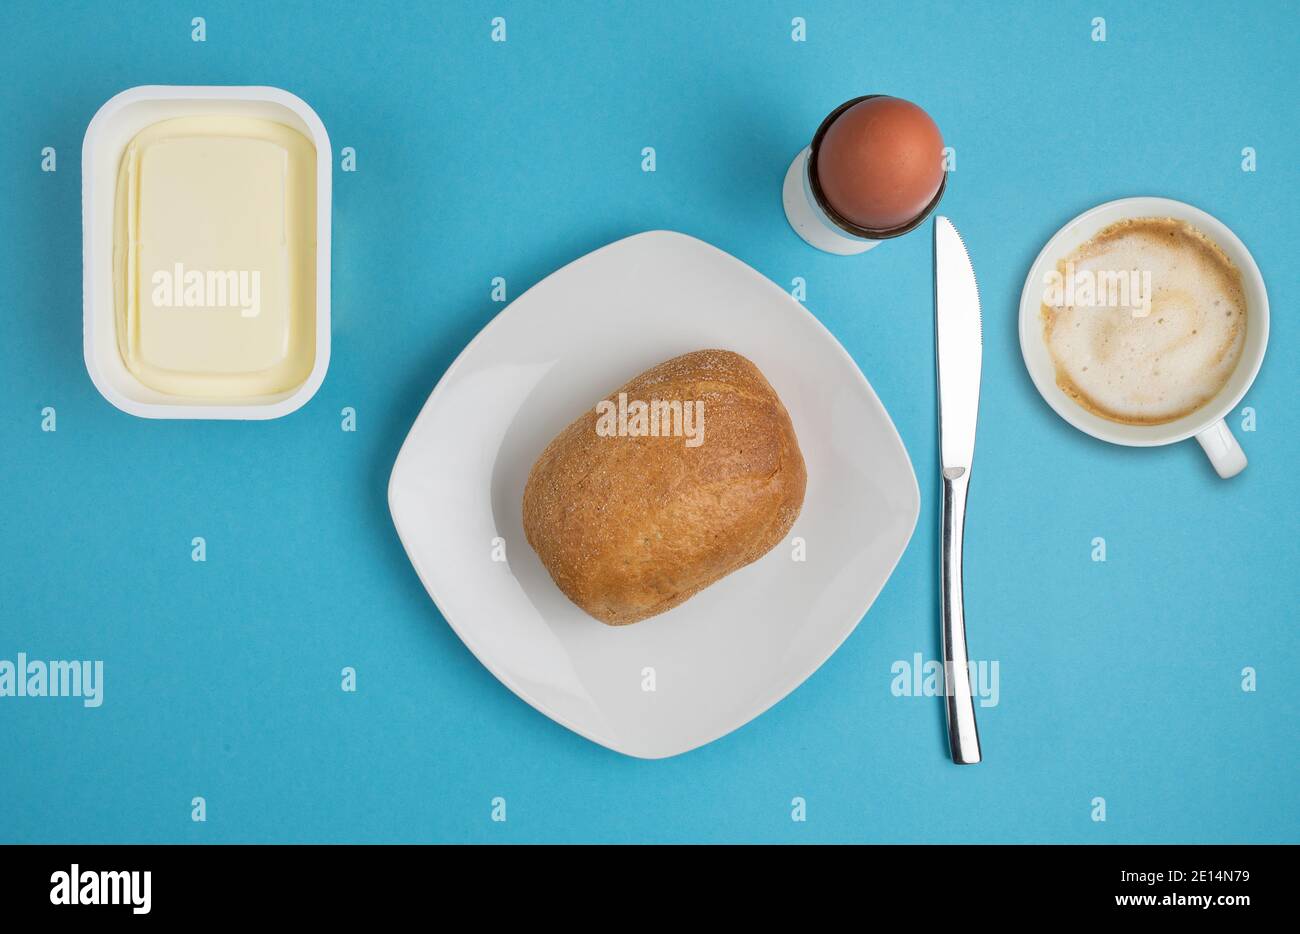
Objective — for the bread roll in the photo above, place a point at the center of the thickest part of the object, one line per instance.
(634, 509)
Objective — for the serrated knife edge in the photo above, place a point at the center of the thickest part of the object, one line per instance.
(959, 346)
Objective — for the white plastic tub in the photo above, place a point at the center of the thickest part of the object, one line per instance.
(111, 129)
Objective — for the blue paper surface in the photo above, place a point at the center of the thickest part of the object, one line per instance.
(1120, 680)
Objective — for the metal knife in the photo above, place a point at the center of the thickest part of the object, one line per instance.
(958, 351)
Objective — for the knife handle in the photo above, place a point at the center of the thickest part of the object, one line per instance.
(963, 735)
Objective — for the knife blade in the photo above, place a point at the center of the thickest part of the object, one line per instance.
(958, 343)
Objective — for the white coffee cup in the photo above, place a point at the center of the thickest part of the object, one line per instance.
(1207, 423)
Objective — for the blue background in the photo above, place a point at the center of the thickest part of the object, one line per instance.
(1119, 679)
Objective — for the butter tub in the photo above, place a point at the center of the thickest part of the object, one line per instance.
(206, 251)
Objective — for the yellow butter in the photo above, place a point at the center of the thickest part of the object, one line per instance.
(214, 257)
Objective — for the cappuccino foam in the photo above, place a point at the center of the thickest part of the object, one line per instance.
(1151, 324)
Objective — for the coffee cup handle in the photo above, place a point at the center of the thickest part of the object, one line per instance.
(1222, 449)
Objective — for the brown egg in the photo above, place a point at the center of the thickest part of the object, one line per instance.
(880, 163)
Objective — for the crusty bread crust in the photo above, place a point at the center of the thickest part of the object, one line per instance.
(629, 527)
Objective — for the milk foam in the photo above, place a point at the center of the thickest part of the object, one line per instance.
(1139, 366)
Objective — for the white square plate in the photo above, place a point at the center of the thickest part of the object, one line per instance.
(738, 647)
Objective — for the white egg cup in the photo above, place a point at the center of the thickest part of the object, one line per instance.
(812, 216)
(809, 220)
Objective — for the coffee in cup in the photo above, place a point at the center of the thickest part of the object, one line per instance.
(1145, 322)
